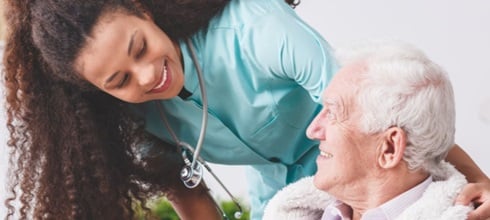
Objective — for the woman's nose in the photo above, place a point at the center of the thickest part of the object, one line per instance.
(145, 74)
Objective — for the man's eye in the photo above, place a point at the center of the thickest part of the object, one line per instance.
(142, 50)
(330, 115)
(123, 81)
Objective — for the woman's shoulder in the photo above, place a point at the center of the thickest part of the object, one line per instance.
(239, 13)
(259, 23)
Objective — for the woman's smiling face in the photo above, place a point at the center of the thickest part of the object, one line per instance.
(131, 58)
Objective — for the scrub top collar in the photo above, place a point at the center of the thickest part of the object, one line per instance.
(184, 93)
(191, 82)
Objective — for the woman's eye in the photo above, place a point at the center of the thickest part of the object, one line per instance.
(123, 81)
(142, 50)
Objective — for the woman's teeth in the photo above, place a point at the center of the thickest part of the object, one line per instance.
(164, 74)
(164, 78)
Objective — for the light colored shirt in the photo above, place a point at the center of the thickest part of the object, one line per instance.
(387, 211)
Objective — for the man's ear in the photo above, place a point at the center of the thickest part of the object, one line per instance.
(392, 148)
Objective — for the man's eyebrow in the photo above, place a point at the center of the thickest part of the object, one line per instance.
(330, 101)
(131, 41)
(334, 104)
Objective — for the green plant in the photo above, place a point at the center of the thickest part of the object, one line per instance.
(164, 211)
(161, 209)
(230, 208)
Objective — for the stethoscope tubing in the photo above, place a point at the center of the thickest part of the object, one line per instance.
(202, 87)
(197, 161)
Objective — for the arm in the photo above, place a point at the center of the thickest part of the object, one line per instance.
(292, 50)
(195, 203)
(462, 161)
(478, 190)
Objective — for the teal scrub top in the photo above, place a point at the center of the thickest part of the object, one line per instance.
(264, 71)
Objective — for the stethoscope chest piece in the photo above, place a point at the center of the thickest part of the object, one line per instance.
(191, 176)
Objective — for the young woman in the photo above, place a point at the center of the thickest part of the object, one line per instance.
(90, 84)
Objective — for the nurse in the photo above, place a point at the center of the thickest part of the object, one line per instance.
(91, 84)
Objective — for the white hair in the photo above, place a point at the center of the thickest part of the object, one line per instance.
(402, 87)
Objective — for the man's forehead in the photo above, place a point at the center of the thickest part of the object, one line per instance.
(352, 72)
(339, 95)
(346, 79)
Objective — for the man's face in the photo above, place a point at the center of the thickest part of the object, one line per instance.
(347, 156)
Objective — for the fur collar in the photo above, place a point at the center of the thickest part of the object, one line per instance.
(302, 201)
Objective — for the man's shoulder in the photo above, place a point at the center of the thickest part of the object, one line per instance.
(437, 202)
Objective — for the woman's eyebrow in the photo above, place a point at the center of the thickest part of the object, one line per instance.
(130, 47)
(108, 80)
(131, 41)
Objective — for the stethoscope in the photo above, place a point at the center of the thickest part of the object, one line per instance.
(192, 172)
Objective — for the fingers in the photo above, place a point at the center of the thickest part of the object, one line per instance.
(481, 213)
(479, 194)
(469, 193)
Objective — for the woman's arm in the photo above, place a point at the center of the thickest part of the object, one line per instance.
(162, 163)
(462, 161)
(195, 203)
(478, 190)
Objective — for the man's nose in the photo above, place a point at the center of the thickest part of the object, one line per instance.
(315, 130)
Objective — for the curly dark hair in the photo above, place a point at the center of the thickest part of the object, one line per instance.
(74, 149)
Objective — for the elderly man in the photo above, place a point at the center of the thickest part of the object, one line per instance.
(387, 124)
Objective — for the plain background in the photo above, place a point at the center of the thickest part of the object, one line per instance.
(454, 33)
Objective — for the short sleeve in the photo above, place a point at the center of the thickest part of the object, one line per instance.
(290, 49)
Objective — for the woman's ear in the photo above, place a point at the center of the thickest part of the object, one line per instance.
(392, 148)
(147, 15)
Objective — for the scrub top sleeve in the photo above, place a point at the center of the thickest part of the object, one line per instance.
(291, 49)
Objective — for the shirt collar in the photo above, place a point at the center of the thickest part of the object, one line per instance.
(397, 205)
(337, 211)
(388, 211)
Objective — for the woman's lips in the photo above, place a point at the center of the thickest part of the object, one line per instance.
(165, 78)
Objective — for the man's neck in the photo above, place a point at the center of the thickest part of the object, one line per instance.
(378, 191)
